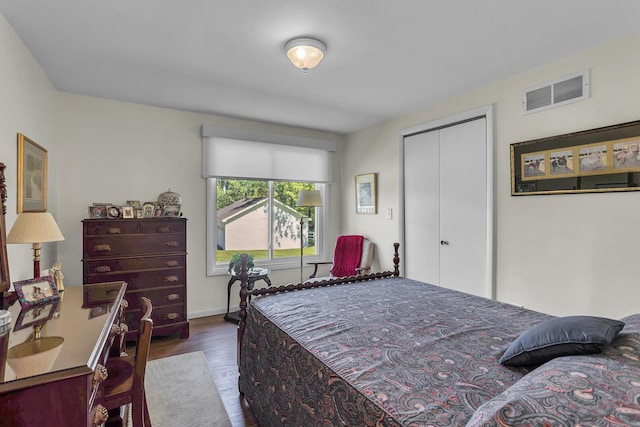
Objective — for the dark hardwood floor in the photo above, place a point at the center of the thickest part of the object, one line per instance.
(216, 338)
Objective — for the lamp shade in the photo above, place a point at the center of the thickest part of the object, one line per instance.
(309, 198)
(305, 53)
(34, 227)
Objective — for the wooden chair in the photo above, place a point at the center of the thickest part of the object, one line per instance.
(125, 381)
(364, 265)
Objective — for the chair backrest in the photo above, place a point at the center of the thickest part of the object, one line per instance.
(367, 254)
(144, 342)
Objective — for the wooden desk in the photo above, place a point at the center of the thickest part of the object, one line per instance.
(67, 393)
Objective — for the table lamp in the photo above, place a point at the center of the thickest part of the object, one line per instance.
(307, 199)
(35, 228)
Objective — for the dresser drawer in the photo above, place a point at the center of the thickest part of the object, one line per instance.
(110, 228)
(112, 246)
(106, 266)
(169, 295)
(144, 279)
(161, 316)
(163, 227)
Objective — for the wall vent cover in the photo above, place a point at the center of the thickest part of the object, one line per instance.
(553, 94)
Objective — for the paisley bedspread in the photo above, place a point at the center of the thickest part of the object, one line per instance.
(390, 352)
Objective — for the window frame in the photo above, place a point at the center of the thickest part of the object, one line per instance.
(322, 224)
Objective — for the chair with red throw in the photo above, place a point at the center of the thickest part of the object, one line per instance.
(351, 256)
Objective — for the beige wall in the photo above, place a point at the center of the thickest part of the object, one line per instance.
(581, 250)
(109, 151)
(561, 254)
(26, 106)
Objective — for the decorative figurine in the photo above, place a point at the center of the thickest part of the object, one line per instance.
(56, 272)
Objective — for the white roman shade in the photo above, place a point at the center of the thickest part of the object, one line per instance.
(235, 153)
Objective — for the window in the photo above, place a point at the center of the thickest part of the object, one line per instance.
(253, 183)
(260, 217)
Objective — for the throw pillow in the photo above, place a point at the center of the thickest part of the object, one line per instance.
(562, 336)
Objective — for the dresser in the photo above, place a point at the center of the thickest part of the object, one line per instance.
(52, 357)
(148, 254)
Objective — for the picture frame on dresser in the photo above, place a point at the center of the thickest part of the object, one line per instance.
(40, 290)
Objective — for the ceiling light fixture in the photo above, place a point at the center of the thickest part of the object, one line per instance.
(304, 52)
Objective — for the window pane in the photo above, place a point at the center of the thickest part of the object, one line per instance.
(242, 218)
(286, 221)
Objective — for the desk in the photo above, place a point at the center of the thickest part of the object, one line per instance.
(254, 275)
(64, 392)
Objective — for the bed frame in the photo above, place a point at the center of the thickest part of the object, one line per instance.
(245, 293)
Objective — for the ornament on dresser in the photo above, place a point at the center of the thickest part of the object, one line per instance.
(169, 198)
(56, 272)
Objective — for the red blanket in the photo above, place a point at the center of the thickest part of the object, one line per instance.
(347, 255)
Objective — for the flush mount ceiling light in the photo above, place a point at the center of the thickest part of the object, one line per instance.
(305, 53)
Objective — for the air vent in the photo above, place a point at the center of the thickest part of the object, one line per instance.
(554, 94)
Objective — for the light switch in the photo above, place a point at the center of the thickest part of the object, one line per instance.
(389, 213)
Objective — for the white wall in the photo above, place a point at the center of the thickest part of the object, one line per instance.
(560, 254)
(26, 106)
(112, 151)
(109, 151)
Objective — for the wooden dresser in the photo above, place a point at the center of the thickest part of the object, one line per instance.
(149, 254)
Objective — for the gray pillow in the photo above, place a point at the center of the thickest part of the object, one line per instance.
(562, 336)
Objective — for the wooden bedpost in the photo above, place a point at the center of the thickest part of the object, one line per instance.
(396, 260)
(244, 293)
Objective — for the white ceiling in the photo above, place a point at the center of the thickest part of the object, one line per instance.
(385, 58)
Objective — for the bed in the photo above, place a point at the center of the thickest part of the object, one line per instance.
(382, 350)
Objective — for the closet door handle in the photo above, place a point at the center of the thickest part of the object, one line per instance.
(444, 242)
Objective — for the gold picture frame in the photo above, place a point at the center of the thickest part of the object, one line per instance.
(32, 176)
(597, 160)
(366, 195)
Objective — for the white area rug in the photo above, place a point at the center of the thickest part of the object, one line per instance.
(181, 393)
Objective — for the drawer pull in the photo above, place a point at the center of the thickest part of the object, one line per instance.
(173, 297)
(102, 248)
(172, 244)
(99, 376)
(172, 278)
(172, 316)
(113, 230)
(102, 269)
(164, 229)
(124, 328)
(101, 416)
(124, 304)
(172, 263)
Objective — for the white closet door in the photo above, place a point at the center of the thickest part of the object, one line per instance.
(421, 207)
(445, 207)
(463, 207)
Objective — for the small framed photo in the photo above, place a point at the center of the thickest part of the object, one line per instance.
(113, 212)
(366, 194)
(97, 211)
(127, 212)
(36, 291)
(148, 209)
(134, 203)
(172, 210)
(139, 213)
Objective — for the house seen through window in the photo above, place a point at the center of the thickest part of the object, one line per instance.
(260, 217)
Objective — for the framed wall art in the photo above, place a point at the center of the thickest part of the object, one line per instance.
(32, 176)
(597, 160)
(366, 202)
